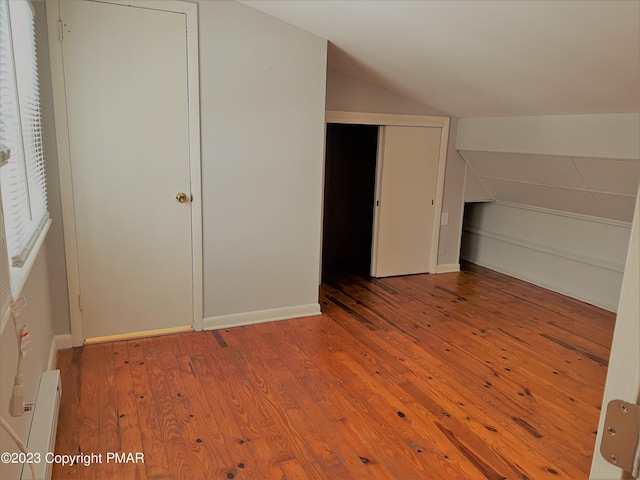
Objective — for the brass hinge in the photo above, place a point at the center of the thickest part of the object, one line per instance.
(620, 444)
(80, 302)
(60, 30)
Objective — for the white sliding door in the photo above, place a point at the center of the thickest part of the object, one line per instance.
(405, 200)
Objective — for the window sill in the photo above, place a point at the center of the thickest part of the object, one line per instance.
(19, 275)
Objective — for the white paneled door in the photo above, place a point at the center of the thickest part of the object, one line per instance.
(125, 80)
(623, 376)
(405, 200)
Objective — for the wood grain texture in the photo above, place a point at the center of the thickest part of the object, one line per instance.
(470, 375)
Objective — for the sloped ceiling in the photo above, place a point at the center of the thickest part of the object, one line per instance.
(497, 58)
(470, 58)
(598, 187)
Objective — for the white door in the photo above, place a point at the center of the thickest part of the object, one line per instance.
(623, 376)
(405, 200)
(125, 74)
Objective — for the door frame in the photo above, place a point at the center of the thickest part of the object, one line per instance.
(389, 119)
(623, 374)
(190, 10)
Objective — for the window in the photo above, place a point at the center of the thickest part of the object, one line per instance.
(22, 179)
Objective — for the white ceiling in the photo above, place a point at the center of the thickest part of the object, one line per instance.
(598, 187)
(483, 58)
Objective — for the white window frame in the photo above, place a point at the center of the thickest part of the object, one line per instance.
(23, 189)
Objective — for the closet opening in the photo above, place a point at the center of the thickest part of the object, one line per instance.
(349, 196)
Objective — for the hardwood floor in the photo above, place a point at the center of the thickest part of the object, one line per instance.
(456, 376)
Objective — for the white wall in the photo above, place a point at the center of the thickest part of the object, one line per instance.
(453, 204)
(574, 254)
(601, 136)
(262, 90)
(582, 257)
(348, 94)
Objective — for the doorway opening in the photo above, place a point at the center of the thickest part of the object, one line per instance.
(349, 195)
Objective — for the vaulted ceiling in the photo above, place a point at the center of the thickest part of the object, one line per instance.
(499, 58)
(470, 58)
(597, 187)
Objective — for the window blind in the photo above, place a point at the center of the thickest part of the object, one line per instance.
(5, 277)
(22, 180)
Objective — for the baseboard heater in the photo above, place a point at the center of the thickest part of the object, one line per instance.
(42, 436)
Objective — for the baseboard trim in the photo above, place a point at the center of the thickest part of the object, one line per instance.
(543, 284)
(143, 334)
(63, 342)
(58, 342)
(260, 316)
(448, 268)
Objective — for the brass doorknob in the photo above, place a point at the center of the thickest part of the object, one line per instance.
(181, 197)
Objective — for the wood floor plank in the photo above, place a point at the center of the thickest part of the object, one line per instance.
(246, 454)
(395, 384)
(470, 375)
(523, 353)
(321, 434)
(129, 436)
(189, 404)
(183, 455)
(263, 398)
(109, 437)
(306, 417)
(88, 435)
(371, 423)
(156, 463)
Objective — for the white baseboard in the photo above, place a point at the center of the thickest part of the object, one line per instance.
(63, 342)
(448, 268)
(58, 342)
(141, 334)
(260, 316)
